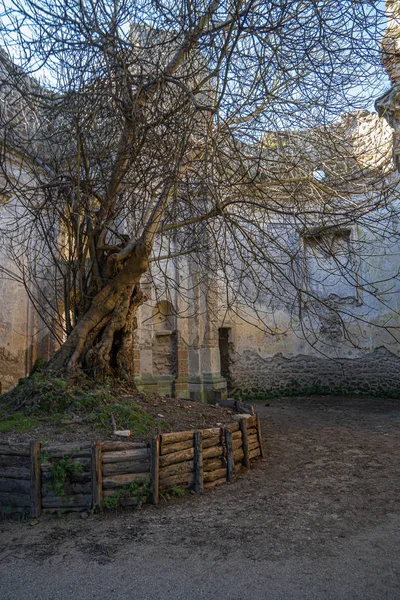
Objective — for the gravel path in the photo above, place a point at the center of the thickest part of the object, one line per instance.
(319, 518)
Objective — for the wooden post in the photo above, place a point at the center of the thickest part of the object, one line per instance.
(245, 444)
(259, 437)
(229, 456)
(97, 475)
(198, 463)
(155, 468)
(36, 481)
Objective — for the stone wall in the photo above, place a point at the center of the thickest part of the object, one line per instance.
(377, 373)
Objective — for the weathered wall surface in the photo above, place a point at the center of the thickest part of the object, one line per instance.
(23, 336)
(376, 373)
(13, 333)
(164, 354)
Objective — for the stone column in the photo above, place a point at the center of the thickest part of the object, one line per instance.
(181, 384)
(214, 385)
(143, 348)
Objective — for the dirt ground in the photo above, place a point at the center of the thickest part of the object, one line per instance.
(168, 414)
(319, 518)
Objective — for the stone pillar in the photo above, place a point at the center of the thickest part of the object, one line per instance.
(195, 333)
(214, 385)
(143, 349)
(181, 384)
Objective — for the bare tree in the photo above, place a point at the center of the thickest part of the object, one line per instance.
(199, 129)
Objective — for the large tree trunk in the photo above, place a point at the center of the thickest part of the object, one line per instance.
(101, 342)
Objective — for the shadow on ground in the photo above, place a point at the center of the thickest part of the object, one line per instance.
(318, 518)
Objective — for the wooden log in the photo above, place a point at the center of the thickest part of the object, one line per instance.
(212, 484)
(70, 509)
(251, 422)
(232, 427)
(176, 457)
(198, 463)
(123, 500)
(86, 463)
(155, 468)
(118, 481)
(182, 480)
(245, 446)
(211, 432)
(229, 457)
(236, 444)
(238, 455)
(213, 452)
(253, 445)
(15, 472)
(10, 460)
(14, 500)
(184, 467)
(254, 453)
(97, 476)
(212, 441)
(213, 475)
(15, 449)
(77, 500)
(78, 478)
(213, 463)
(15, 485)
(66, 447)
(124, 455)
(85, 453)
(118, 446)
(70, 489)
(180, 436)
(131, 466)
(177, 447)
(259, 434)
(36, 481)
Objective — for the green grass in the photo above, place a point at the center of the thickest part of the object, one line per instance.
(127, 415)
(52, 398)
(16, 422)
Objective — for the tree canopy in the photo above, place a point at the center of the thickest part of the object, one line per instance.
(136, 133)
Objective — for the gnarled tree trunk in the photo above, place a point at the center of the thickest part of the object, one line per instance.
(101, 342)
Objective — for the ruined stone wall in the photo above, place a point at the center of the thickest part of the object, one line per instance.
(375, 373)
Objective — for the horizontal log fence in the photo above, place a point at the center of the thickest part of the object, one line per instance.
(69, 477)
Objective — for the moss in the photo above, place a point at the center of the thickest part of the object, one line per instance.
(52, 398)
(16, 422)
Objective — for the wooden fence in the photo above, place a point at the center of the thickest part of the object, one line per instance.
(79, 476)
